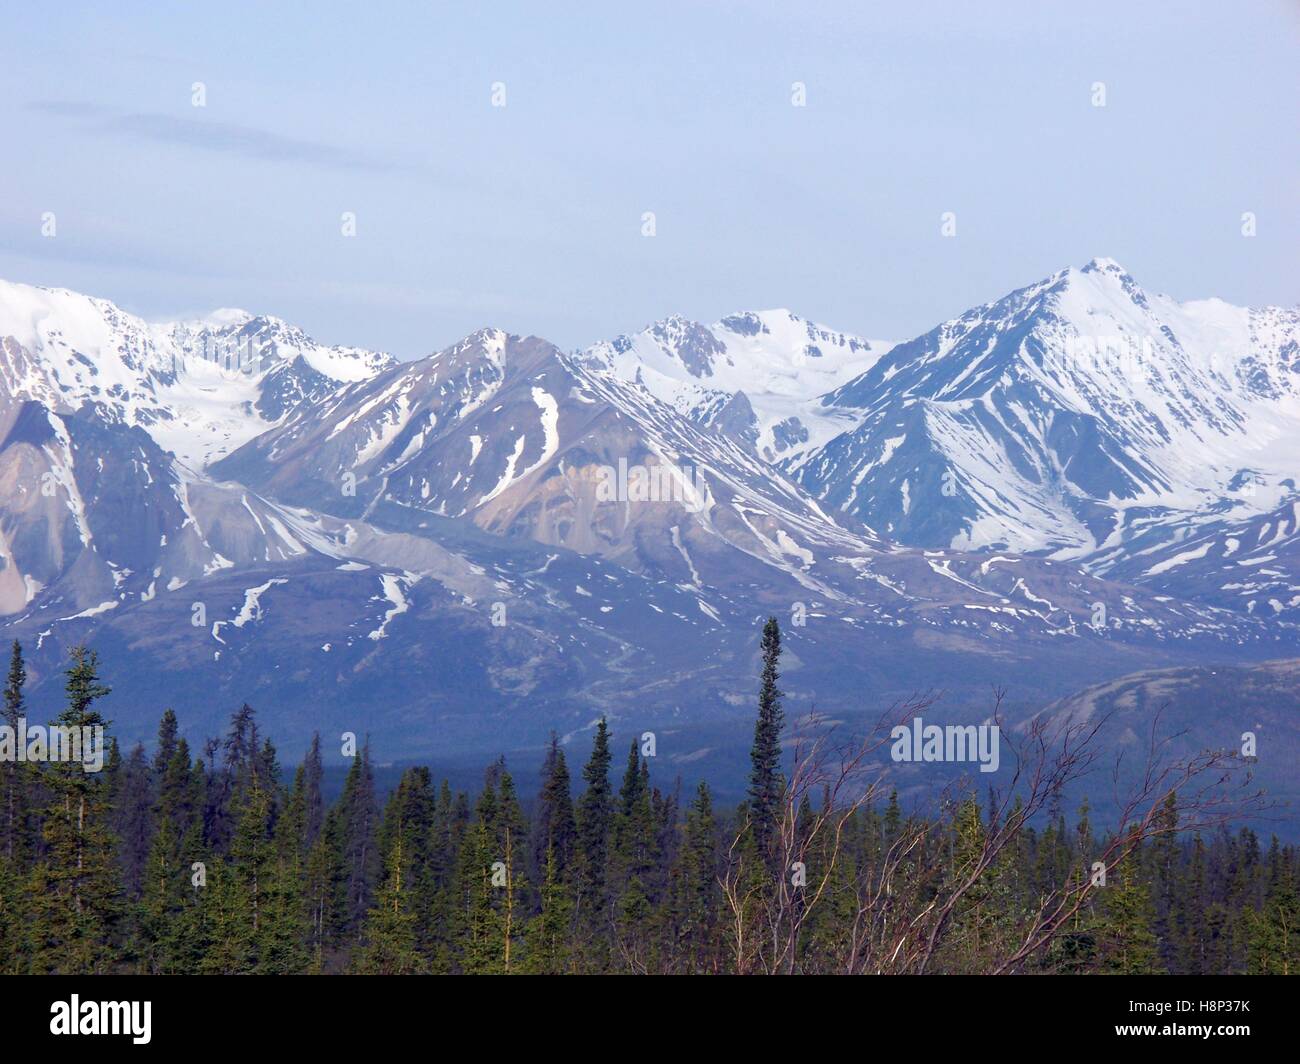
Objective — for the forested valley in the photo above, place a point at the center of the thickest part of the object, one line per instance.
(218, 861)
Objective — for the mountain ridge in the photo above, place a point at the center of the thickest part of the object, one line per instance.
(625, 512)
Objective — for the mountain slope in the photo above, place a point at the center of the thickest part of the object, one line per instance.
(1079, 417)
(199, 388)
(507, 432)
(755, 377)
(1199, 707)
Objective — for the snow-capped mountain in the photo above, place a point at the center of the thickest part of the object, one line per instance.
(507, 432)
(513, 436)
(1083, 418)
(756, 377)
(1245, 561)
(501, 537)
(199, 388)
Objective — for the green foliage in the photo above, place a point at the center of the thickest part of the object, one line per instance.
(172, 864)
(765, 782)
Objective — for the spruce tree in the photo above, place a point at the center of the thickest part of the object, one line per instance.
(14, 920)
(479, 927)
(389, 946)
(168, 737)
(701, 909)
(76, 886)
(250, 864)
(15, 776)
(1273, 933)
(549, 945)
(356, 839)
(511, 841)
(281, 939)
(132, 820)
(555, 830)
(634, 864)
(409, 823)
(321, 894)
(227, 932)
(161, 901)
(313, 805)
(766, 785)
(1126, 940)
(593, 815)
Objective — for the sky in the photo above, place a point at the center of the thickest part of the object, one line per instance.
(530, 216)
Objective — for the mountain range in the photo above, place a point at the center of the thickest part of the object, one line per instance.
(1076, 482)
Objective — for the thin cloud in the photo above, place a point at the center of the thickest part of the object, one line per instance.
(223, 137)
(69, 108)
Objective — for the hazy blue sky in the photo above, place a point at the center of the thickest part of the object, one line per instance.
(529, 216)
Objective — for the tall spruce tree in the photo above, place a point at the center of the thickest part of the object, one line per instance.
(312, 804)
(555, 828)
(512, 843)
(390, 939)
(15, 775)
(281, 940)
(132, 820)
(358, 842)
(766, 785)
(168, 736)
(593, 815)
(76, 886)
(322, 894)
(702, 901)
(479, 926)
(633, 864)
(162, 900)
(409, 822)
